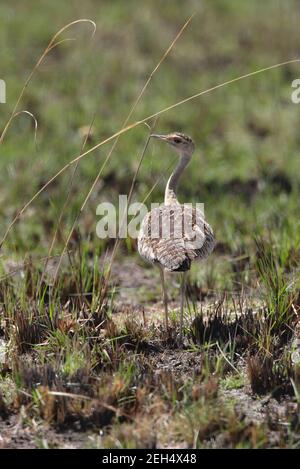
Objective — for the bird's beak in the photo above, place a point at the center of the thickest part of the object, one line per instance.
(161, 137)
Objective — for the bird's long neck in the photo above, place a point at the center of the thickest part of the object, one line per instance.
(171, 187)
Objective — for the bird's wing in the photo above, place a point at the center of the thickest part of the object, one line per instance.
(173, 236)
(198, 235)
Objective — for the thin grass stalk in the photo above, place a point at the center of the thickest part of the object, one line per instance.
(52, 44)
(139, 97)
(131, 127)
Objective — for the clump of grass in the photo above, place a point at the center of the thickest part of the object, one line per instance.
(209, 424)
(227, 325)
(280, 291)
(269, 375)
(233, 381)
(131, 435)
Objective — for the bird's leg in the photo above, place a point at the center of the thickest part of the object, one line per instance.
(165, 297)
(182, 296)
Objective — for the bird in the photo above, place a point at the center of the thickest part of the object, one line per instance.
(173, 235)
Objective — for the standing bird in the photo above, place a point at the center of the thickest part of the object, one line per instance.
(173, 235)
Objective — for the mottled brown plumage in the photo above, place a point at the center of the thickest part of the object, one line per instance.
(173, 235)
(176, 251)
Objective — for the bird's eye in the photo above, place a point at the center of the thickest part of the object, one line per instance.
(177, 140)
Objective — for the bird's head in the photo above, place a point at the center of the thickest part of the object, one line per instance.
(182, 143)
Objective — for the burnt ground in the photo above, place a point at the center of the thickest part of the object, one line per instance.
(137, 298)
(16, 433)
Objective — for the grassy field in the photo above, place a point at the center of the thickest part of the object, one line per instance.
(85, 361)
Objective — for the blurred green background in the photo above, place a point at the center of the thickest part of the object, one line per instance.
(246, 167)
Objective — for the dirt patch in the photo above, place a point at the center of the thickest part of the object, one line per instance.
(178, 362)
(16, 435)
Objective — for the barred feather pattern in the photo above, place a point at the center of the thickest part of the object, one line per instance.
(174, 236)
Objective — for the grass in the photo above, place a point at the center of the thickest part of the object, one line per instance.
(83, 351)
(70, 366)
